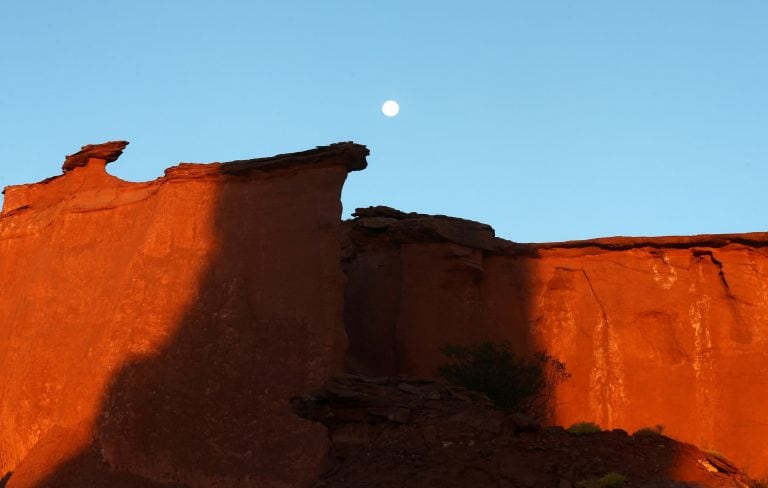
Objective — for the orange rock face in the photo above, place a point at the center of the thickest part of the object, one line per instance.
(153, 332)
(670, 331)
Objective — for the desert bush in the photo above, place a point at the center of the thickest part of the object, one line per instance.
(584, 428)
(610, 480)
(514, 384)
(658, 429)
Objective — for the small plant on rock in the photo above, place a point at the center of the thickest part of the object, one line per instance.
(610, 480)
(514, 384)
(584, 428)
(658, 429)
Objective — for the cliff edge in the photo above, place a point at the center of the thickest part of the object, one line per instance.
(152, 333)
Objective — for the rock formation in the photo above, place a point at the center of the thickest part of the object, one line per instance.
(153, 333)
(670, 331)
(107, 152)
(413, 432)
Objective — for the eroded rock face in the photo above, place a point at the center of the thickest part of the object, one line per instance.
(670, 331)
(152, 333)
(108, 152)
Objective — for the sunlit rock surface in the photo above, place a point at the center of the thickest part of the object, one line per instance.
(108, 152)
(153, 332)
(670, 331)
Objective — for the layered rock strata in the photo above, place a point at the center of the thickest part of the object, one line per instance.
(670, 331)
(152, 333)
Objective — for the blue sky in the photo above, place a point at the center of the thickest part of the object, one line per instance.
(549, 120)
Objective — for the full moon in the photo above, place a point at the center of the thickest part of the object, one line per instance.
(390, 108)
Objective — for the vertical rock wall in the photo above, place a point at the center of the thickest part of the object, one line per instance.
(153, 332)
(670, 331)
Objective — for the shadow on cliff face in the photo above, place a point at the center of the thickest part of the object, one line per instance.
(211, 407)
(419, 282)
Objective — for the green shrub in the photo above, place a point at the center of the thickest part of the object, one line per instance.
(658, 429)
(514, 384)
(611, 480)
(584, 428)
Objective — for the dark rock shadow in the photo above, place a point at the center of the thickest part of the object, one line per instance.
(419, 282)
(211, 408)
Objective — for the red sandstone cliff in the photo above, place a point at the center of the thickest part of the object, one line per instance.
(151, 334)
(670, 331)
(154, 332)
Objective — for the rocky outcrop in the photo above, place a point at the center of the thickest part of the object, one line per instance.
(406, 431)
(152, 333)
(107, 152)
(670, 331)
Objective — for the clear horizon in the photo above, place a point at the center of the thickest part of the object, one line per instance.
(550, 122)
